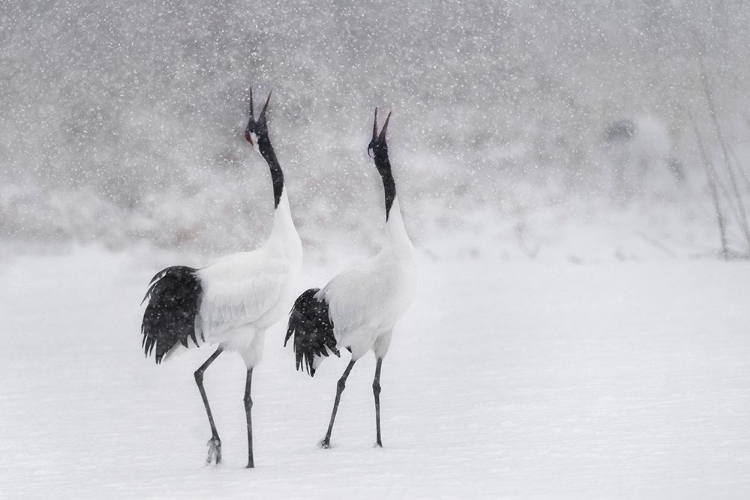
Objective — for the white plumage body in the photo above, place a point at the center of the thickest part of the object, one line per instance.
(367, 300)
(247, 292)
(358, 308)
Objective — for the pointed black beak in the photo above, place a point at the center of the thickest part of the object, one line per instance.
(262, 117)
(385, 127)
(374, 134)
(249, 127)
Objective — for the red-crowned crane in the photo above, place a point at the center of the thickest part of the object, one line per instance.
(358, 309)
(232, 301)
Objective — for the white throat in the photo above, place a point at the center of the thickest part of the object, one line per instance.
(397, 239)
(283, 231)
(254, 139)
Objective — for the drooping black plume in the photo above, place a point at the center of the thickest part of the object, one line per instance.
(312, 329)
(173, 301)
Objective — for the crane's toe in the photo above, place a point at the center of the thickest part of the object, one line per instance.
(214, 451)
(324, 444)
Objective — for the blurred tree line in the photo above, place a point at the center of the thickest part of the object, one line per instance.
(122, 120)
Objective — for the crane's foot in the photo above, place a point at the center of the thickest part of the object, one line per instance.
(324, 444)
(214, 451)
(378, 445)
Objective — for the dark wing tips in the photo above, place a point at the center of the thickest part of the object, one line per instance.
(152, 283)
(298, 313)
(169, 318)
(312, 330)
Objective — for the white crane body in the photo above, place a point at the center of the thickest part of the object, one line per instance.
(232, 301)
(358, 309)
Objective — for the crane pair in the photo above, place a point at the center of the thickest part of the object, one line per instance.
(231, 302)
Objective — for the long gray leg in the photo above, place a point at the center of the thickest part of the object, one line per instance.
(326, 443)
(376, 392)
(214, 444)
(248, 407)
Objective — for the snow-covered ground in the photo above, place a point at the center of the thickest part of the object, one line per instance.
(507, 378)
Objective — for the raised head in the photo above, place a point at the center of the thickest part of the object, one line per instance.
(256, 134)
(378, 147)
(378, 151)
(256, 131)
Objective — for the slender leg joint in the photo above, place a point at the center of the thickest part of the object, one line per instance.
(326, 442)
(248, 407)
(214, 444)
(376, 393)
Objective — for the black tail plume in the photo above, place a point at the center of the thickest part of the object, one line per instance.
(173, 301)
(312, 329)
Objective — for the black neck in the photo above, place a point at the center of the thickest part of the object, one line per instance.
(389, 185)
(277, 176)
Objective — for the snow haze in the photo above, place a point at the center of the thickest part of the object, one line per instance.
(575, 178)
(123, 122)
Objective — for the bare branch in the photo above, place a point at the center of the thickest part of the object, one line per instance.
(711, 179)
(725, 151)
(741, 168)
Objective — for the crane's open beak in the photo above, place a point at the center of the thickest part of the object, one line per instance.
(375, 136)
(253, 126)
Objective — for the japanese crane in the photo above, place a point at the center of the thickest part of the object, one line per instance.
(358, 308)
(232, 301)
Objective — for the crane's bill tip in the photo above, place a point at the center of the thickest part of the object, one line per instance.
(385, 126)
(265, 107)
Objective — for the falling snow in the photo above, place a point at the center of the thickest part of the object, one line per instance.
(123, 123)
(559, 167)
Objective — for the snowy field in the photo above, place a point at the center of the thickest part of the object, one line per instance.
(512, 378)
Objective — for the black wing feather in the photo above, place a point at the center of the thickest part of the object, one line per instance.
(173, 300)
(312, 329)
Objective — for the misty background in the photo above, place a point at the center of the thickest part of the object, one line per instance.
(527, 137)
(513, 121)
